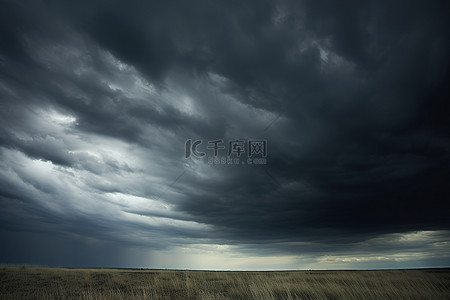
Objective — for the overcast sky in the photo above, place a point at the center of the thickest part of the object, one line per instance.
(98, 100)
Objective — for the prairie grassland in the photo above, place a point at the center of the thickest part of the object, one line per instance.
(59, 283)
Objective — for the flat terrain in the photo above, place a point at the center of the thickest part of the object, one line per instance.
(60, 283)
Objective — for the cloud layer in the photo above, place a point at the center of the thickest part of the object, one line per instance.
(98, 99)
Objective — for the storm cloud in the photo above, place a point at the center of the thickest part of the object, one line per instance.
(98, 99)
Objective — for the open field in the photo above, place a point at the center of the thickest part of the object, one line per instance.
(59, 283)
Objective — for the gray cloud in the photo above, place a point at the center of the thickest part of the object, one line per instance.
(98, 101)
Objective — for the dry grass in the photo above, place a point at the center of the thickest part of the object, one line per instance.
(58, 283)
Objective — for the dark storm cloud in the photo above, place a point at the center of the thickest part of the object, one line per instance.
(367, 145)
(352, 97)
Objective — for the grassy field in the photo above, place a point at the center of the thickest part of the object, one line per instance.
(59, 283)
